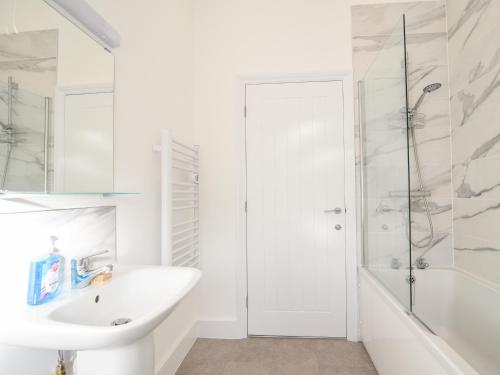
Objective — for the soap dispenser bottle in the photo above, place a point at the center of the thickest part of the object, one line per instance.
(55, 252)
(46, 276)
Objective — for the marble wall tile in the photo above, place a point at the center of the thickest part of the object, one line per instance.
(474, 53)
(478, 139)
(421, 76)
(477, 218)
(25, 237)
(427, 48)
(38, 45)
(481, 263)
(380, 19)
(440, 256)
(386, 146)
(31, 58)
(477, 238)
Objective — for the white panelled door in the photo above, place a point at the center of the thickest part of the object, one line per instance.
(88, 119)
(295, 209)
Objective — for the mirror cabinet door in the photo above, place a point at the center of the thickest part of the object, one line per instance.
(56, 104)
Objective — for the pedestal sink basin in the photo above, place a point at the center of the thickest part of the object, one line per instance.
(110, 323)
(140, 299)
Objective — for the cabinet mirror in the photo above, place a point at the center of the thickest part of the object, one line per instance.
(56, 103)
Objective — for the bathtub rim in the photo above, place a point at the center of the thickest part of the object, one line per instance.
(475, 278)
(450, 360)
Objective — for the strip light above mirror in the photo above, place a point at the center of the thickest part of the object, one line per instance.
(85, 17)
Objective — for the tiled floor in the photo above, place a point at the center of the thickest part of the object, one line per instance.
(277, 356)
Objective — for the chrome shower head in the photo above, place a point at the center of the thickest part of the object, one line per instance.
(427, 89)
(432, 87)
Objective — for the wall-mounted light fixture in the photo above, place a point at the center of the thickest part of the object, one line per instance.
(84, 16)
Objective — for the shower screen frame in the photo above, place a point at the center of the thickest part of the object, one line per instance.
(385, 167)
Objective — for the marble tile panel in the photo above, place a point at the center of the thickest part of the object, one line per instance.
(477, 238)
(436, 179)
(28, 45)
(421, 76)
(384, 180)
(474, 64)
(441, 213)
(476, 218)
(382, 247)
(471, 27)
(483, 264)
(480, 134)
(381, 19)
(423, 49)
(427, 49)
(432, 150)
(439, 254)
(26, 236)
(477, 179)
(475, 102)
(385, 145)
(387, 214)
(474, 52)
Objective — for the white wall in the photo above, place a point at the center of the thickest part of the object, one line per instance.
(153, 91)
(234, 38)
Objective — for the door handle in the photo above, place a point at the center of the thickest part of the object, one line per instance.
(338, 227)
(336, 211)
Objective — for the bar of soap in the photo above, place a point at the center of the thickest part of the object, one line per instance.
(101, 279)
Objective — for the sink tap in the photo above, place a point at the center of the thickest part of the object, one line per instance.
(82, 274)
(421, 264)
(396, 263)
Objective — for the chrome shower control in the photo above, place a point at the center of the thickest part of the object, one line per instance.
(338, 227)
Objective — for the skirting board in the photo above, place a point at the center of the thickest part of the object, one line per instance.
(173, 362)
(221, 329)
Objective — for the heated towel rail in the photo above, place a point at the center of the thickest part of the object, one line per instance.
(180, 226)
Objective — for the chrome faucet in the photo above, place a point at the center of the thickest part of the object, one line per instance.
(421, 263)
(396, 263)
(81, 272)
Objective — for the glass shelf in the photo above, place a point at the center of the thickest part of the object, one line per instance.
(26, 194)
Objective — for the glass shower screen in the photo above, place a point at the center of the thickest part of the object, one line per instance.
(24, 122)
(385, 167)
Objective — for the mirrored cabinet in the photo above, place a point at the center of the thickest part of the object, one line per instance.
(56, 104)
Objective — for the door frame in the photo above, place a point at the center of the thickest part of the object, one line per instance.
(345, 77)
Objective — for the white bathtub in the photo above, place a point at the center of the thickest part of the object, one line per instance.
(463, 312)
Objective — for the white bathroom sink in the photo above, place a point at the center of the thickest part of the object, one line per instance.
(82, 320)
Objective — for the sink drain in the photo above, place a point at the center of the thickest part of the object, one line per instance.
(120, 321)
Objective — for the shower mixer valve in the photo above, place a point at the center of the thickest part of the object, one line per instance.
(421, 264)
